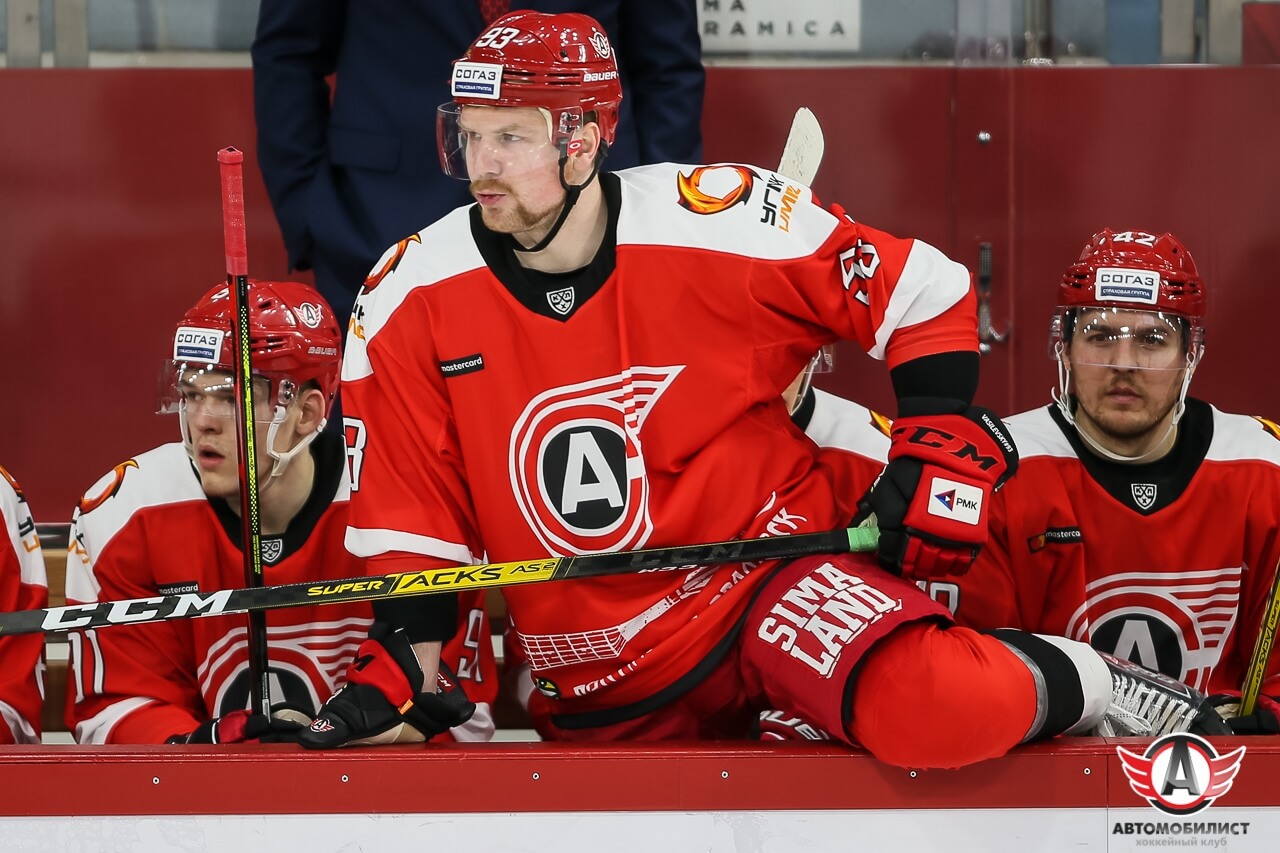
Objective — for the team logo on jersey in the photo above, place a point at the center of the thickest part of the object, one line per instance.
(880, 422)
(561, 301)
(698, 190)
(13, 484)
(91, 502)
(389, 261)
(577, 462)
(271, 549)
(1170, 622)
(1180, 774)
(1144, 494)
(1269, 426)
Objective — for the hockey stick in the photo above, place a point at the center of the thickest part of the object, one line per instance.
(187, 605)
(230, 162)
(802, 153)
(1257, 669)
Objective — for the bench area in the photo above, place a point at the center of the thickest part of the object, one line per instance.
(512, 722)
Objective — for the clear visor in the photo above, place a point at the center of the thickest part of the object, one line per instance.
(210, 391)
(495, 143)
(1124, 338)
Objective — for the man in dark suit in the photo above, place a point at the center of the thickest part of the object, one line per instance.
(352, 169)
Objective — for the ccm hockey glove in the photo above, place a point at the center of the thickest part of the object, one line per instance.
(383, 700)
(1265, 719)
(283, 726)
(931, 501)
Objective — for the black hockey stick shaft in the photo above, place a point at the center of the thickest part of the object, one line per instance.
(187, 605)
(230, 163)
(1257, 669)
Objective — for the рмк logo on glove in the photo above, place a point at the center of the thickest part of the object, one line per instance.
(956, 501)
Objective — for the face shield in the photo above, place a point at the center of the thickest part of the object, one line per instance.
(198, 393)
(1123, 339)
(479, 143)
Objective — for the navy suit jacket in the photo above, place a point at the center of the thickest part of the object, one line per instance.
(351, 175)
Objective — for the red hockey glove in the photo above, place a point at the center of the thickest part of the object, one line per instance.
(383, 700)
(283, 726)
(931, 501)
(1265, 719)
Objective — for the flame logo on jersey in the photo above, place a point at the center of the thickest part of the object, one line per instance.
(1270, 426)
(13, 484)
(1171, 622)
(390, 261)
(577, 462)
(694, 198)
(1180, 774)
(880, 422)
(90, 503)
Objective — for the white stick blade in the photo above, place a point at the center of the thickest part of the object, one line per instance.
(803, 151)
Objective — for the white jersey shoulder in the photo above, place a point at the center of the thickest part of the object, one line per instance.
(22, 537)
(1036, 433)
(159, 477)
(1242, 437)
(438, 252)
(723, 207)
(844, 424)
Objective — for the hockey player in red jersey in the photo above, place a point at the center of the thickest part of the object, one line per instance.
(23, 586)
(166, 520)
(1141, 521)
(588, 361)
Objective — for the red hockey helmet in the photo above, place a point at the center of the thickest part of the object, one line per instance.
(1134, 269)
(293, 335)
(560, 63)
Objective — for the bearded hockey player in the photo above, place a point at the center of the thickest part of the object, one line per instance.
(166, 521)
(586, 361)
(1142, 521)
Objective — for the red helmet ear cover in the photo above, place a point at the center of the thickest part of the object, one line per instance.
(292, 331)
(555, 61)
(1180, 289)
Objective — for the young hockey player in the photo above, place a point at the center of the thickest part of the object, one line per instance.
(167, 521)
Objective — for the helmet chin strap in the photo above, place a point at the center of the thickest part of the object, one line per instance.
(280, 459)
(572, 191)
(1062, 397)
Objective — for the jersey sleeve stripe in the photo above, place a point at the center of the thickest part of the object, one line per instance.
(930, 284)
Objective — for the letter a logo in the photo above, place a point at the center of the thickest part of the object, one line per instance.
(577, 462)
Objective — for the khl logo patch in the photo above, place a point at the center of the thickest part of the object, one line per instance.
(561, 301)
(1180, 774)
(1144, 494)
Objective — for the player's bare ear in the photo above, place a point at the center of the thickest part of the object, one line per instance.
(311, 405)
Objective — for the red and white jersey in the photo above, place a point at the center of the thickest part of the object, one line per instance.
(834, 422)
(496, 412)
(147, 529)
(23, 586)
(1168, 564)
